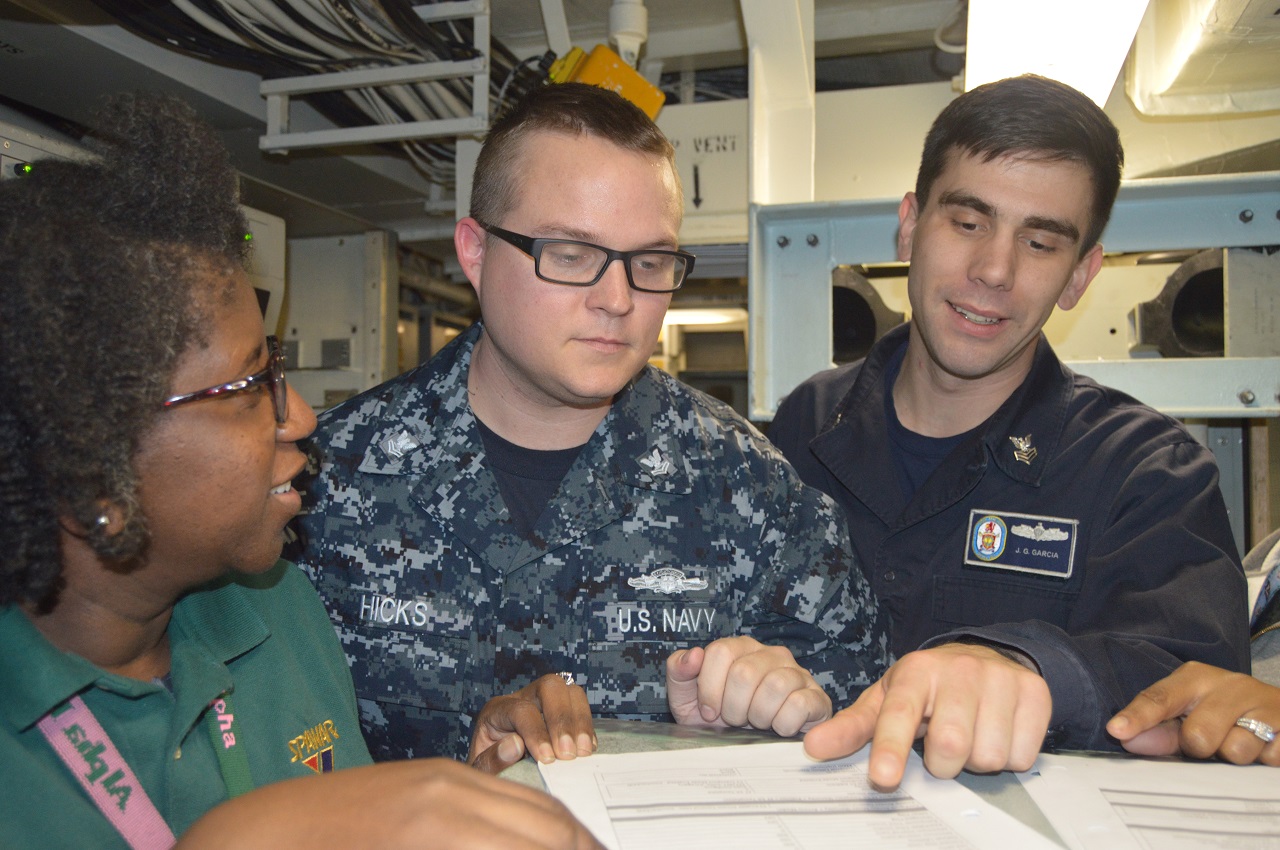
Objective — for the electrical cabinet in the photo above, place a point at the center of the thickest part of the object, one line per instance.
(339, 324)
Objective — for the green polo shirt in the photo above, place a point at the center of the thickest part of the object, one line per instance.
(266, 640)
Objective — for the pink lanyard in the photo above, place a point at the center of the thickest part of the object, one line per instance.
(83, 745)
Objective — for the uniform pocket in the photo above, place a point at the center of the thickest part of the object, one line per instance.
(983, 601)
(629, 641)
(408, 650)
(412, 668)
(628, 678)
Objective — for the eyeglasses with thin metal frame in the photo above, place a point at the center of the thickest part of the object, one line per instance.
(272, 377)
(573, 263)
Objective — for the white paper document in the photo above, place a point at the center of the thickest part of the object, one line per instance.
(1099, 803)
(772, 795)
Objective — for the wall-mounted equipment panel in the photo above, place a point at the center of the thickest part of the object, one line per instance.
(339, 325)
(798, 251)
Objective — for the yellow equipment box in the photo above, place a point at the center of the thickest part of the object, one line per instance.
(604, 68)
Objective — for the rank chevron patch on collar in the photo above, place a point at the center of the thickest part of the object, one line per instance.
(397, 446)
(1023, 450)
(656, 463)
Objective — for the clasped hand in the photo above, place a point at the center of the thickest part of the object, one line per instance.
(738, 682)
(549, 719)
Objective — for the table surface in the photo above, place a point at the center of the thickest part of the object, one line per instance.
(1002, 790)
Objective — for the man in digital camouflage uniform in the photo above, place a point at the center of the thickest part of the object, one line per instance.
(537, 500)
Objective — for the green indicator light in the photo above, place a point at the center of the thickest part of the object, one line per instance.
(22, 169)
(248, 237)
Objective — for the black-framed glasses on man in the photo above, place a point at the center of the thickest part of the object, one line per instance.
(272, 377)
(573, 263)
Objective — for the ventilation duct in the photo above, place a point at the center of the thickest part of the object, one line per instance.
(1220, 302)
(859, 316)
(1187, 318)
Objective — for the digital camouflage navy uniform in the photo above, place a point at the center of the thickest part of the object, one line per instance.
(677, 524)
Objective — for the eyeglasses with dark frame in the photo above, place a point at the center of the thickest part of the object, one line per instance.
(573, 263)
(272, 377)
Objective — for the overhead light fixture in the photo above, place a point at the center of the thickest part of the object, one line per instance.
(705, 316)
(1082, 43)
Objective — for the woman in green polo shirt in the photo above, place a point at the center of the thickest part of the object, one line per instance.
(159, 660)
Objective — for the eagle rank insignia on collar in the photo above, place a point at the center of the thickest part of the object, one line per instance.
(1023, 450)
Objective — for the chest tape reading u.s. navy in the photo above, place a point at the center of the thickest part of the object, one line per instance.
(647, 604)
(665, 603)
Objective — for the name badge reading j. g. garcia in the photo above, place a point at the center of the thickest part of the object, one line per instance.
(1025, 543)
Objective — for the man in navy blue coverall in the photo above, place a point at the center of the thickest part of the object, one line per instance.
(1052, 544)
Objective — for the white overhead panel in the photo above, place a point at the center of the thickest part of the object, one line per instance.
(711, 158)
(1083, 45)
(1205, 57)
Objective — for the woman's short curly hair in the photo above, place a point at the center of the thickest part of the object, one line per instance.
(107, 265)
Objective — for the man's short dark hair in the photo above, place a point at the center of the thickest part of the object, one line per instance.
(1029, 116)
(573, 109)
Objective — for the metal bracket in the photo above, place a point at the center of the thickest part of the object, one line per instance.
(280, 139)
(795, 247)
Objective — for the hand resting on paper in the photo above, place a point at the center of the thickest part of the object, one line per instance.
(1193, 712)
(977, 710)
